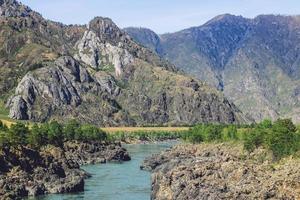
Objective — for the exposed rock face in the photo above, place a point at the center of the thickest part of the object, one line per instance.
(102, 55)
(169, 98)
(19, 109)
(28, 172)
(99, 75)
(65, 89)
(251, 60)
(12, 8)
(27, 40)
(221, 171)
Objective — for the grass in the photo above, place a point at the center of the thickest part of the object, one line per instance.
(4, 113)
(108, 68)
(7, 122)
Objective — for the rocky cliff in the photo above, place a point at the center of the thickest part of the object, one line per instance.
(254, 61)
(29, 172)
(97, 74)
(221, 171)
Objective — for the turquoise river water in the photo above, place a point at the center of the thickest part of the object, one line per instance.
(117, 181)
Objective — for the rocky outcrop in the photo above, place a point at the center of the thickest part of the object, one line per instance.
(93, 152)
(109, 33)
(106, 47)
(19, 109)
(28, 172)
(12, 8)
(66, 89)
(221, 171)
(102, 56)
(162, 97)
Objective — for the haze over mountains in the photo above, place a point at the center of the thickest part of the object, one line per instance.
(255, 62)
(96, 74)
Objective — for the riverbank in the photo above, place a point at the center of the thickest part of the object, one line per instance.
(117, 180)
(222, 171)
(29, 172)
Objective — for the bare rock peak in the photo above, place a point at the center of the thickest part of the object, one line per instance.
(13, 8)
(102, 24)
(8, 2)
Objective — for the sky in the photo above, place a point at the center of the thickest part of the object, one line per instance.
(162, 16)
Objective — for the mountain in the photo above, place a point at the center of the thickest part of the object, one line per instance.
(255, 62)
(146, 37)
(97, 74)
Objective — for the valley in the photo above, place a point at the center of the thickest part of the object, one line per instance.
(95, 111)
(65, 151)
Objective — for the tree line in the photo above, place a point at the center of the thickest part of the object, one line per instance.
(146, 135)
(280, 137)
(53, 133)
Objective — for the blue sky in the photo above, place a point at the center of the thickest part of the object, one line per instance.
(159, 15)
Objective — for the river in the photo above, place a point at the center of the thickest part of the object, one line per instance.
(117, 181)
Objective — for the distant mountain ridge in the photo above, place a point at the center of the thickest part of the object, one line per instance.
(256, 62)
(97, 74)
(146, 37)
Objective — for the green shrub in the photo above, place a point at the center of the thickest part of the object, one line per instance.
(79, 135)
(284, 139)
(37, 136)
(146, 135)
(254, 138)
(281, 137)
(195, 134)
(3, 140)
(267, 123)
(195, 138)
(71, 129)
(55, 133)
(89, 132)
(213, 133)
(204, 133)
(229, 133)
(120, 136)
(17, 134)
